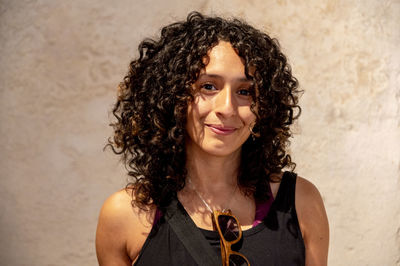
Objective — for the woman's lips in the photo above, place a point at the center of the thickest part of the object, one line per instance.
(221, 130)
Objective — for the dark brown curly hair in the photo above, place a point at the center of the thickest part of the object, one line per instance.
(152, 105)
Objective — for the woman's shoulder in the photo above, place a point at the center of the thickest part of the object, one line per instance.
(119, 208)
(122, 228)
(306, 188)
(309, 204)
(308, 197)
(313, 221)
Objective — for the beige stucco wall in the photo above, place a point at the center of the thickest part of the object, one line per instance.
(61, 62)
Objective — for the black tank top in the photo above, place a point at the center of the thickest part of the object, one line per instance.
(276, 241)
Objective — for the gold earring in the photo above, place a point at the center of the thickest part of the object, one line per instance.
(253, 134)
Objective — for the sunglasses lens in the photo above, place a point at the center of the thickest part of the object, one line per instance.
(229, 228)
(237, 260)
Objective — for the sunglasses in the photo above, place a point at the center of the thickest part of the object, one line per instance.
(230, 233)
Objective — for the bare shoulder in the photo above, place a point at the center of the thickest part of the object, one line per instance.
(122, 229)
(309, 205)
(313, 222)
(305, 190)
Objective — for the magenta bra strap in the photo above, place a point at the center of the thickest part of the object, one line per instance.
(262, 208)
(157, 216)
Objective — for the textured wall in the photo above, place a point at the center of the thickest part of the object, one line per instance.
(61, 62)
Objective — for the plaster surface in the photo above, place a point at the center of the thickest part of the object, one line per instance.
(61, 62)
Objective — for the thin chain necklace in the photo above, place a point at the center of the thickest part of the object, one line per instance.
(202, 199)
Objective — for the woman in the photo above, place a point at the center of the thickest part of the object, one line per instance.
(202, 124)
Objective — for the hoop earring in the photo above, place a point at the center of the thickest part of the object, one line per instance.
(253, 134)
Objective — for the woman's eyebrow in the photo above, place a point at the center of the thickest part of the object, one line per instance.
(215, 76)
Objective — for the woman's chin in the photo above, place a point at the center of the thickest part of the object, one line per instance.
(220, 150)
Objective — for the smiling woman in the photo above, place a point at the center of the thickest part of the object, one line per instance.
(203, 121)
(220, 116)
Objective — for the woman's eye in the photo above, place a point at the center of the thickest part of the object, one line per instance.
(208, 86)
(244, 92)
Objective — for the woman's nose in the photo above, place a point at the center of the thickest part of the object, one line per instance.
(225, 102)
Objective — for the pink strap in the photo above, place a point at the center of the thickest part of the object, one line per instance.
(157, 216)
(262, 209)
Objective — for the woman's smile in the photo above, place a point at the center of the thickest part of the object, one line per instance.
(220, 129)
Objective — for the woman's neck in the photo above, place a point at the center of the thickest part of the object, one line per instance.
(211, 174)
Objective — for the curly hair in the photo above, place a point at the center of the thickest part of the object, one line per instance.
(151, 109)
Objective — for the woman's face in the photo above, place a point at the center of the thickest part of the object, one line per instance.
(219, 118)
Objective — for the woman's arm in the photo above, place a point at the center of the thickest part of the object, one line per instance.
(313, 222)
(121, 230)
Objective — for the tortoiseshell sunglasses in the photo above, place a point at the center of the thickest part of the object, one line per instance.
(230, 233)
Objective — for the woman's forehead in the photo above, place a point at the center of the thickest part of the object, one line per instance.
(224, 55)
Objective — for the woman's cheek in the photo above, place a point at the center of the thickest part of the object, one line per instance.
(203, 108)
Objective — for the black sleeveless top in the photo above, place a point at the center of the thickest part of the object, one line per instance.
(276, 241)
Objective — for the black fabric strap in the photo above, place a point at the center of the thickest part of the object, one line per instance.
(190, 235)
(285, 199)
